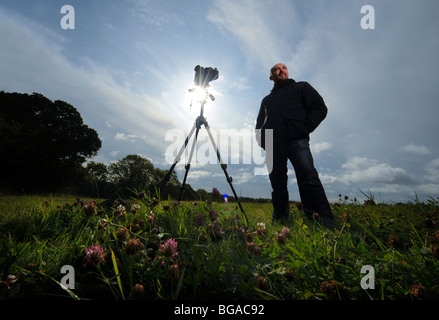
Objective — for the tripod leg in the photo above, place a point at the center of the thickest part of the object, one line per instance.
(177, 158)
(224, 167)
(188, 165)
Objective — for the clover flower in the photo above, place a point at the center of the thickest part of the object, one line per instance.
(213, 215)
(286, 231)
(169, 248)
(122, 234)
(215, 230)
(173, 271)
(334, 289)
(254, 248)
(133, 247)
(137, 292)
(90, 209)
(418, 291)
(281, 238)
(199, 220)
(94, 255)
(261, 226)
(262, 283)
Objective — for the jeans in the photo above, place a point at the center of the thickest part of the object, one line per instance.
(311, 190)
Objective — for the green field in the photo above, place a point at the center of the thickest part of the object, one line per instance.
(150, 249)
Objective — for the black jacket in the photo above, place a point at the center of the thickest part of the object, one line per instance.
(293, 110)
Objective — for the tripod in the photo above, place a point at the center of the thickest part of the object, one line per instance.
(200, 120)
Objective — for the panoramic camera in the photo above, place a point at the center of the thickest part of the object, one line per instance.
(204, 75)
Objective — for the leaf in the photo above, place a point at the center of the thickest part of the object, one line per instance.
(74, 296)
(116, 270)
(180, 282)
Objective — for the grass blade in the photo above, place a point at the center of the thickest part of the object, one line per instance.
(116, 270)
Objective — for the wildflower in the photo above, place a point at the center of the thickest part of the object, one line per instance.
(135, 208)
(155, 202)
(199, 220)
(152, 217)
(254, 248)
(173, 271)
(215, 230)
(137, 292)
(169, 248)
(262, 283)
(120, 212)
(167, 207)
(159, 261)
(133, 247)
(260, 229)
(249, 237)
(122, 234)
(213, 215)
(91, 209)
(418, 291)
(120, 209)
(280, 238)
(286, 231)
(333, 289)
(11, 281)
(94, 255)
(261, 226)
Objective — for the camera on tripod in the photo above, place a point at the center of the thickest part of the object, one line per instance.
(204, 75)
(202, 78)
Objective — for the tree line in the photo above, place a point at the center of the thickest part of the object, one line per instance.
(45, 146)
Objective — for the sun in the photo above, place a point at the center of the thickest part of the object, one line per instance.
(198, 94)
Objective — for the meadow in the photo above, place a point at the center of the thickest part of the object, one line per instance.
(153, 249)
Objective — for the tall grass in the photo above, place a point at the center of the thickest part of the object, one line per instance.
(160, 250)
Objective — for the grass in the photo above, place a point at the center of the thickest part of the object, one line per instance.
(150, 249)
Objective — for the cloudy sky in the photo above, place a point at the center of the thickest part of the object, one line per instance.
(127, 66)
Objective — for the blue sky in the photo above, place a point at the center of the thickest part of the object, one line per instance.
(127, 67)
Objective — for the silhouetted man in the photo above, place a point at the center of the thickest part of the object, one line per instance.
(292, 110)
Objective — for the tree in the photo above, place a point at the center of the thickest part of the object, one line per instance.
(132, 172)
(43, 143)
(96, 177)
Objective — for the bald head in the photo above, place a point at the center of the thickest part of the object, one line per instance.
(279, 72)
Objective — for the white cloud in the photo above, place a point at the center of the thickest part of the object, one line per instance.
(412, 148)
(432, 169)
(318, 147)
(361, 169)
(125, 137)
